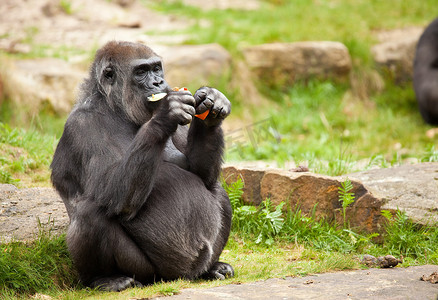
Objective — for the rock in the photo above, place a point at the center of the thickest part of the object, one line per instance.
(251, 178)
(284, 63)
(300, 168)
(309, 192)
(411, 188)
(395, 53)
(35, 82)
(21, 211)
(194, 64)
(433, 278)
(243, 82)
(388, 261)
(369, 260)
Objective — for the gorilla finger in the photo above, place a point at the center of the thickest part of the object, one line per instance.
(188, 99)
(186, 119)
(216, 111)
(200, 95)
(185, 98)
(219, 276)
(226, 110)
(189, 109)
(205, 105)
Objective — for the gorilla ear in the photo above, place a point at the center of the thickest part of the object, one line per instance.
(109, 75)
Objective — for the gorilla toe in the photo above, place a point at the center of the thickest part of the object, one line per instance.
(219, 271)
(115, 284)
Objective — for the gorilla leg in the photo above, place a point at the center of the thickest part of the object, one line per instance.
(104, 255)
(221, 270)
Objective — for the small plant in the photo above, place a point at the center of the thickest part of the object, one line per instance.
(346, 197)
(235, 192)
(404, 237)
(265, 221)
(387, 214)
(6, 177)
(270, 221)
(431, 154)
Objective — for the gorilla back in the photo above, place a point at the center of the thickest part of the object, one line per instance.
(426, 73)
(140, 185)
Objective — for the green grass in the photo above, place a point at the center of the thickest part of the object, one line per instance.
(42, 265)
(25, 156)
(318, 122)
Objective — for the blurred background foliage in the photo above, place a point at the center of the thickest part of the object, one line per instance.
(332, 127)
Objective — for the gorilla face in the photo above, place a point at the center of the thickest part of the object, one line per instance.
(128, 76)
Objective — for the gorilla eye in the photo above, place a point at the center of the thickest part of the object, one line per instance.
(157, 68)
(108, 73)
(140, 72)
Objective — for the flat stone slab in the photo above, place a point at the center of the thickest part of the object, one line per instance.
(411, 188)
(396, 283)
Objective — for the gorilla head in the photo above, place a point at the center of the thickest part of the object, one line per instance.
(126, 74)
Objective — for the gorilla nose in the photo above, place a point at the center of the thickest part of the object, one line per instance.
(158, 83)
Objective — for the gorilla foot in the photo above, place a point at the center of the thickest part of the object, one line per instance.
(115, 283)
(219, 271)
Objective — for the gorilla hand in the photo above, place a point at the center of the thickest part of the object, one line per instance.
(208, 98)
(178, 108)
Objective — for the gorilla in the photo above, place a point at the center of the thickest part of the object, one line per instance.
(139, 184)
(426, 73)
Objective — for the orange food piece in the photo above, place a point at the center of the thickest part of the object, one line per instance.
(203, 115)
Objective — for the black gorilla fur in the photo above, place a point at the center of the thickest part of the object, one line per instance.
(426, 73)
(140, 187)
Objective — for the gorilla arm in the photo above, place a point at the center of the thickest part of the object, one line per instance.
(128, 183)
(205, 142)
(124, 185)
(105, 158)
